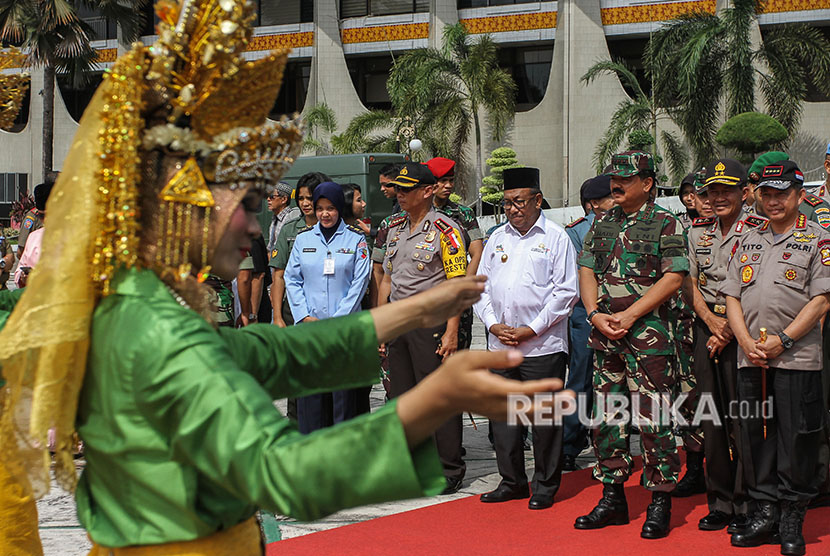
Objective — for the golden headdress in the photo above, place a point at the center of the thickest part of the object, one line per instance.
(171, 141)
(12, 86)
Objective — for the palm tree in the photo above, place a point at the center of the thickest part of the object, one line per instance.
(639, 112)
(445, 90)
(57, 40)
(703, 64)
(321, 118)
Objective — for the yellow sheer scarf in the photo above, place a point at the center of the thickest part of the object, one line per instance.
(43, 347)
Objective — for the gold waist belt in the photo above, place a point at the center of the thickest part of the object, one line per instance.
(239, 540)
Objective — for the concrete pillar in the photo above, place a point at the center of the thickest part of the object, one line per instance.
(330, 82)
(560, 134)
(441, 14)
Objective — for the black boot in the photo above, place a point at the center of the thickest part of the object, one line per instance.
(762, 527)
(792, 518)
(693, 482)
(658, 516)
(612, 509)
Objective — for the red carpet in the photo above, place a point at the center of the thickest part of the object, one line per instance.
(467, 526)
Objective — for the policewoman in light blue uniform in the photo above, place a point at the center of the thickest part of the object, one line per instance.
(327, 274)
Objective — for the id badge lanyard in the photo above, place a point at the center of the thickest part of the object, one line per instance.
(328, 265)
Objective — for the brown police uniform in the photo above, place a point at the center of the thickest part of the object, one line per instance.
(417, 260)
(774, 278)
(709, 254)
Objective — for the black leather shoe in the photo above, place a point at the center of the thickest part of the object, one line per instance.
(658, 516)
(504, 493)
(453, 486)
(540, 502)
(714, 521)
(694, 481)
(762, 527)
(568, 463)
(738, 524)
(612, 509)
(792, 518)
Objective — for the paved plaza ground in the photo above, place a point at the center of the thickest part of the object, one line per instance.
(63, 536)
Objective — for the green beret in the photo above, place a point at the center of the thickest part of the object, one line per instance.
(765, 160)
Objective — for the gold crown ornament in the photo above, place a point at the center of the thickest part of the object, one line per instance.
(13, 86)
(191, 94)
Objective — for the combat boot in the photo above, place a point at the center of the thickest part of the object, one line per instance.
(658, 516)
(612, 509)
(792, 518)
(694, 481)
(762, 527)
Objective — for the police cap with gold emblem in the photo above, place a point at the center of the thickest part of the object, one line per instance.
(781, 175)
(725, 171)
(413, 175)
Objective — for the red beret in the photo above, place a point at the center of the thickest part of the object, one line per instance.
(441, 167)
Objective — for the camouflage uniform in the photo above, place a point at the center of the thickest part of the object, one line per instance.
(683, 331)
(471, 232)
(629, 254)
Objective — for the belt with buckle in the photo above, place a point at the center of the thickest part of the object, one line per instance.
(717, 308)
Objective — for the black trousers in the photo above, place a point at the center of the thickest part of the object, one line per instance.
(547, 440)
(319, 411)
(411, 358)
(725, 488)
(782, 456)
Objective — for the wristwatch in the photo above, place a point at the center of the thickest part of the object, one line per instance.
(591, 315)
(252, 316)
(786, 341)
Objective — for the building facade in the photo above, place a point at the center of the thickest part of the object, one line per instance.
(343, 50)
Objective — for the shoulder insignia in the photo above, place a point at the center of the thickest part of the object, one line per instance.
(812, 200)
(443, 226)
(801, 221)
(307, 228)
(355, 229)
(400, 218)
(703, 221)
(756, 221)
(575, 222)
(29, 221)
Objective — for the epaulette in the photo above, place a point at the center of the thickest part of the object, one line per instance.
(575, 222)
(755, 221)
(399, 219)
(812, 200)
(307, 228)
(443, 227)
(704, 221)
(355, 229)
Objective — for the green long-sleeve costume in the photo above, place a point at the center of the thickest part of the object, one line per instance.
(182, 438)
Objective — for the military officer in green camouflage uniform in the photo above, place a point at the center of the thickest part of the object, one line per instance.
(632, 263)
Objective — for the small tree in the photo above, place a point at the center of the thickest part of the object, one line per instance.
(750, 133)
(500, 160)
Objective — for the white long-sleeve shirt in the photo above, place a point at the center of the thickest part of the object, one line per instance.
(532, 281)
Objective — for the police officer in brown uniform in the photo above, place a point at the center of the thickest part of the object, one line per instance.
(777, 289)
(712, 241)
(423, 249)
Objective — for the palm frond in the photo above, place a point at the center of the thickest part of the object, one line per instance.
(676, 155)
(620, 70)
(739, 75)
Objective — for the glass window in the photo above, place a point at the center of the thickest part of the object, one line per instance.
(369, 75)
(630, 52)
(360, 8)
(484, 3)
(294, 89)
(77, 99)
(530, 68)
(282, 12)
(102, 28)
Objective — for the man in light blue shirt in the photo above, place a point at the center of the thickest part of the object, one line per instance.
(596, 198)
